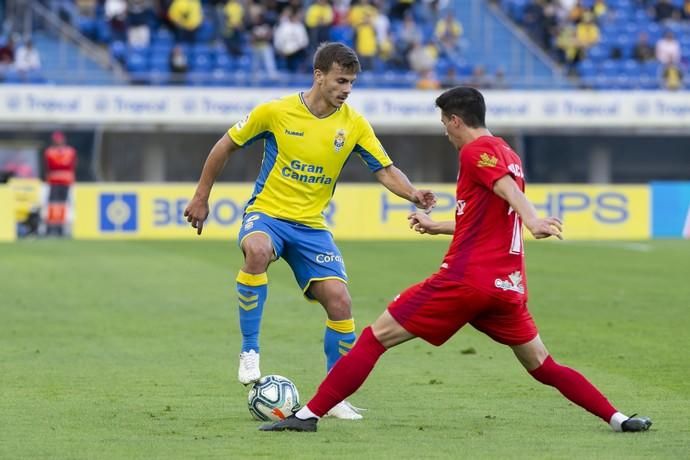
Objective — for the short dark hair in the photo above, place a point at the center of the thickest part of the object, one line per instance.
(329, 53)
(464, 102)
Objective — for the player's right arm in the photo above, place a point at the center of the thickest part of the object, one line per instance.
(420, 222)
(506, 188)
(197, 209)
(253, 127)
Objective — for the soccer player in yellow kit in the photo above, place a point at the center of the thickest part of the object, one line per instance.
(307, 137)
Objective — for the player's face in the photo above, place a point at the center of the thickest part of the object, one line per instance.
(450, 125)
(336, 84)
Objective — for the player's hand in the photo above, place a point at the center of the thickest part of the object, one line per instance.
(424, 199)
(196, 213)
(544, 228)
(420, 222)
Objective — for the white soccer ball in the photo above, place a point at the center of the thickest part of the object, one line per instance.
(273, 397)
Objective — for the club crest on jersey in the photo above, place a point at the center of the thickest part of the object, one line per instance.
(487, 161)
(339, 141)
(513, 283)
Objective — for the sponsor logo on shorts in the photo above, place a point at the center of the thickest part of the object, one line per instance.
(513, 283)
(249, 223)
(328, 258)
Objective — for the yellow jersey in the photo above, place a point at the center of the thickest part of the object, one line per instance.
(303, 156)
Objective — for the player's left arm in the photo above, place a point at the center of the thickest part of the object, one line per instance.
(507, 188)
(372, 153)
(397, 182)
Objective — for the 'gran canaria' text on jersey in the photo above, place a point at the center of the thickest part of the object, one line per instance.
(307, 173)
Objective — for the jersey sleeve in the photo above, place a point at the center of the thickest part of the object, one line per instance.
(256, 125)
(369, 148)
(484, 166)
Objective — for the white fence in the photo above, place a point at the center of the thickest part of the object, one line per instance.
(386, 109)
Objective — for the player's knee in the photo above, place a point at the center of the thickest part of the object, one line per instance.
(339, 306)
(257, 253)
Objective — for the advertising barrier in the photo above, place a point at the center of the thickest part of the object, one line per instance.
(8, 231)
(393, 109)
(671, 209)
(357, 212)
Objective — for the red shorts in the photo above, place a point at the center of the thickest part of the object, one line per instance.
(437, 308)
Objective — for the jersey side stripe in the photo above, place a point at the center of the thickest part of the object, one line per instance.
(267, 164)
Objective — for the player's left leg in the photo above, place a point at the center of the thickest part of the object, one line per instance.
(320, 272)
(348, 374)
(574, 386)
(339, 336)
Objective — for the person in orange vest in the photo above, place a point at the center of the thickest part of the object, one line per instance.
(61, 164)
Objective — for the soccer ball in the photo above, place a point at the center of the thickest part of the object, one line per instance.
(273, 397)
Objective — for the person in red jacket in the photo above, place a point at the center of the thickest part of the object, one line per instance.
(61, 164)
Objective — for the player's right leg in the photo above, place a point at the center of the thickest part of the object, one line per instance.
(257, 243)
(574, 386)
(348, 374)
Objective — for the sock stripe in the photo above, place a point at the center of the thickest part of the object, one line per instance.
(249, 279)
(344, 326)
(248, 306)
(344, 344)
(248, 298)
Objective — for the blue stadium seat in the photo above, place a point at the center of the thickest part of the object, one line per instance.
(598, 53)
(201, 48)
(136, 62)
(646, 82)
(343, 34)
(162, 49)
(651, 69)
(587, 68)
(163, 36)
(118, 50)
(201, 63)
(12, 76)
(608, 68)
(103, 33)
(206, 31)
(159, 62)
(631, 67)
(224, 62)
(159, 76)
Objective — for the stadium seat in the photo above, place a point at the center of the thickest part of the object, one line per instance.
(136, 62)
(587, 68)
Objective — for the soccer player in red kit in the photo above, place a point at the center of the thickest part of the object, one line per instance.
(481, 280)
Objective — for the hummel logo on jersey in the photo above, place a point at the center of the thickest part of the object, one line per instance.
(240, 124)
(461, 207)
(294, 133)
(487, 161)
(514, 283)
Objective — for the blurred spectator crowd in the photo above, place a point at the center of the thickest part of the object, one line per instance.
(400, 43)
(612, 44)
(19, 59)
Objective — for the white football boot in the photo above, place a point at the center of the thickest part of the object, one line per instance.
(249, 367)
(345, 411)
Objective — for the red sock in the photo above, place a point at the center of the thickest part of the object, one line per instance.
(575, 387)
(348, 374)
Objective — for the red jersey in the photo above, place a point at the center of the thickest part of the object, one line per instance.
(487, 248)
(61, 162)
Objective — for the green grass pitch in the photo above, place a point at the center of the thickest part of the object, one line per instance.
(129, 350)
